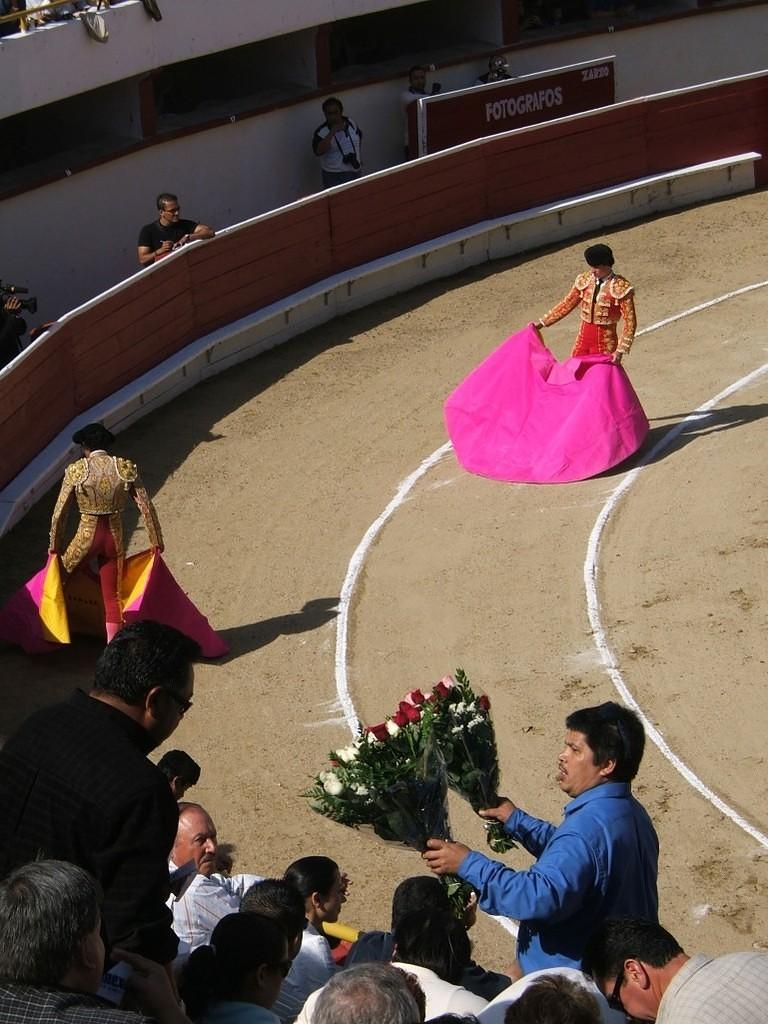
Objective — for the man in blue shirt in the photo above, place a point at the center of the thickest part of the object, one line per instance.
(600, 862)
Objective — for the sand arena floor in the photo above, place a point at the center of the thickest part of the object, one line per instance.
(267, 478)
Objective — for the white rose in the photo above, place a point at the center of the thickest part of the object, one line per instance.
(392, 727)
(347, 754)
(360, 790)
(332, 784)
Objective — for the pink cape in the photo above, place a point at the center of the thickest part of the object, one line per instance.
(40, 614)
(523, 417)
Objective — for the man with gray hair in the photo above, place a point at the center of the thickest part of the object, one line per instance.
(372, 993)
(52, 953)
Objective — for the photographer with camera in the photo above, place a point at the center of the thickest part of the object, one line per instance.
(498, 71)
(337, 143)
(12, 326)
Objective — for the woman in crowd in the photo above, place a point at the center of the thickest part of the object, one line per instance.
(322, 888)
(236, 979)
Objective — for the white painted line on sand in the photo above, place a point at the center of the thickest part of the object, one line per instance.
(353, 572)
(593, 605)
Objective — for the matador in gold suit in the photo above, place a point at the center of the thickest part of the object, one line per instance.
(603, 298)
(101, 484)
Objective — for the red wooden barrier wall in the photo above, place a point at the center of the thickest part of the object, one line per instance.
(125, 334)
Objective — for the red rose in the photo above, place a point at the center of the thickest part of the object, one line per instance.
(415, 697)
(399, 719)
(411, 712)
(379, 731)
(441, 689)
(484, 703)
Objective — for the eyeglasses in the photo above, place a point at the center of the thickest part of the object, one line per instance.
(614, 999)
(183, 705)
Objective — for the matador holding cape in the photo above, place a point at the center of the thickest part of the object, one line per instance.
(101, 484)
(604, 298)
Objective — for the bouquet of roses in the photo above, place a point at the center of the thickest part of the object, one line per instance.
(392, 779)
(462, 727)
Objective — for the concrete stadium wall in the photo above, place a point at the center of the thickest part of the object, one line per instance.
(103, 347)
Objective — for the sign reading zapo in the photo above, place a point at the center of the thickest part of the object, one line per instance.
(454, 117)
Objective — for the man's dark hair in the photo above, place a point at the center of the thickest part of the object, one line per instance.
(420, 893)
(367, 994)
(415, 67)
(332, 100)
(614, 733)
(599, 256)
(278, 900)
(627, 938)
(554, 1000)
(46, 908)
(94, 436)
(142, 655)
(166, 197)
(434, 939)
(177, 764)
(312, 874)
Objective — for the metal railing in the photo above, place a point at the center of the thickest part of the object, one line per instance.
(35, 14)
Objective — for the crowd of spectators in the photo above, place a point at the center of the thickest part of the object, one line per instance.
(119, 906)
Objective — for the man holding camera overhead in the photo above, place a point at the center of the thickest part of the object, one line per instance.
(337, 144)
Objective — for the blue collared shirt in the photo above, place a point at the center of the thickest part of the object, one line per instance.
(601, 861)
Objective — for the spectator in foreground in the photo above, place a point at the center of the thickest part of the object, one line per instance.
(202, 896)
(554, 1000)
(319, 883)
(564, 978)
(181, 771)
(279, 901)
(644, 972)
(434, 946)
(76, 783)
(337, 143)
(602, 860)
(424, 893)
(371, 993)
(169, 231)
(236, 979)
(52, 954)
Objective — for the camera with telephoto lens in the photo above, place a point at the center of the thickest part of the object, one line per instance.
(351, 159)
(9, 291)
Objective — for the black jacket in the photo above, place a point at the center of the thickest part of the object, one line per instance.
(76, 785)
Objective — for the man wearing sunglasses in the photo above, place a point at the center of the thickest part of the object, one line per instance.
(76, 783)
(601, 861)
(169, 231)
(643, 971)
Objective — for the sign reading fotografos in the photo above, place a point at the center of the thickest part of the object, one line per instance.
(451, 118)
